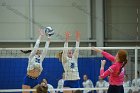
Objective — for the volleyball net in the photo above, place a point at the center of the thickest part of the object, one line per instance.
(13, 67)
(68, 89)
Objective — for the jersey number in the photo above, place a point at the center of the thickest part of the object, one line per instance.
(72, 65)
(37, 60)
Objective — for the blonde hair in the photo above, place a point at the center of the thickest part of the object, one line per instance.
(59, 55)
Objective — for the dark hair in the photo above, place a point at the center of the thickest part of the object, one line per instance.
(26, 51)
(45, 79)
(122, 55)
(85, 75)
(78, 91)
(42, 89)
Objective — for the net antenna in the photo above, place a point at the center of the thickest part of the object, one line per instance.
(137, 25)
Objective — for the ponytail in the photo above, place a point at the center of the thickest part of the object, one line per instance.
(59, 56)
(124, 63)
(122, 55)
(26, 51)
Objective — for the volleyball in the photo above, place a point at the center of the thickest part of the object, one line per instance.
(49, 31)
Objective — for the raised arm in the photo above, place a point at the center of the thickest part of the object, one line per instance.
(105, 54)
(106, 73)
(65, 51)
(97, 50)
(76, 51)
(103, 73)
(49, 32)
(45, 50)
(36, 44)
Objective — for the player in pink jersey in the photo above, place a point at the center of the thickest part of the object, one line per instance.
(115, 71)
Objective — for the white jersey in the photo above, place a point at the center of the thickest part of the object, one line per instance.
(50, 87)
(35, 61)
(101, 85)
(71, 69)
(135, 82)
(106, 84)
(87, 84)
(60, 84)
(70, 65)
(126, 84)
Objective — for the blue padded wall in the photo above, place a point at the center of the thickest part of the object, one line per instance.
(13, 70)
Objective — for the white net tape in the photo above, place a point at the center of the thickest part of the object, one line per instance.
(84, 51)
(80, 48)
(67, 89)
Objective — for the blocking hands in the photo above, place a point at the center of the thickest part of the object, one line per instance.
(41, 32)
(67, 36)
(77, 35)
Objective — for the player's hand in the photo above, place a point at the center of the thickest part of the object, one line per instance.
(96, 49)
(67, 36)
(103, 62)
(77, 36)
(41, 32)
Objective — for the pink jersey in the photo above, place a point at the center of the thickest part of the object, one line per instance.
(112, 71)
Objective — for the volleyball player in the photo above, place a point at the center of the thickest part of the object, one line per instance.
(42, 88)
(116, 70)
(69, 59)
(136, 82)
(35, 60)
(87, 83)
(127, 83)
(61, 83)
(100, 84)
(50, 87)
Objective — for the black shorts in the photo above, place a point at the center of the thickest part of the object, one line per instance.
(115, 89)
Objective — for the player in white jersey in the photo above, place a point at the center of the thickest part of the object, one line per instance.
(136, 82)
(87, 83)
(35, 60)
(69, 59)
(127, 83)
(61, 83)
(42, 88)
(100, 84)
(50, 87)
